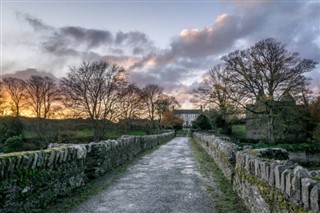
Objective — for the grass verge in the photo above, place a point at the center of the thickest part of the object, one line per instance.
(79, 195)
(224, 197)
(239, 131)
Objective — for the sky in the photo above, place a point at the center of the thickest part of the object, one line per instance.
(169, 43)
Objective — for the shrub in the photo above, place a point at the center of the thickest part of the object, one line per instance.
(13, 144)
(316, 133)
(202, 122)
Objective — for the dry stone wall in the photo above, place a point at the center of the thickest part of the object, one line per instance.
(304, 157)
(32, 180)
(221, 150)
(265, 179)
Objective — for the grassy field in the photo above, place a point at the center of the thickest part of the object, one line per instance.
(239, 131)
(35, 134)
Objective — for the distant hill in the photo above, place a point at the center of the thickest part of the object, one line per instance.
(25, 74)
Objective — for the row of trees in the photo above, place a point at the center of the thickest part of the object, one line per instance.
(98, 90)
(264, 72)
(37, 94)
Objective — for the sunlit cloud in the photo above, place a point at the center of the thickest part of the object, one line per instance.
(189, 53)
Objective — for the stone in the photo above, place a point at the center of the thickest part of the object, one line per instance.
(65, 155)
(35, 159)
(51, 157)
(283, 183)
(247, 163)
(257, 169)
(289, 189)
(315, 173)
(264, 166)
(252, 166)
(2, 166)
(40, 160)
(306, 185)
(19, 161)
(298, 173)
(10, 168)
(315, 199)
(271, 179)
(27, 160)
(26, 189)
(277, 174)
(81, 151)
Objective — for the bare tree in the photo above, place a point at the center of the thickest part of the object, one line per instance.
(2, 101)
(264, 73)
(42, 92)
(130, 104)
(165, 103)
(92, 89)
(51, 95)
(151, 95)
(214, 92)
(16, 89)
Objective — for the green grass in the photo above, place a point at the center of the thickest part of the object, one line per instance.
(182, 133)
(137, 133)
(83, 133)
(239, 131)
(113, 134)
(224, 197)
(29, 134)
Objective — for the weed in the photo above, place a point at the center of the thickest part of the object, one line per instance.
(224, 197)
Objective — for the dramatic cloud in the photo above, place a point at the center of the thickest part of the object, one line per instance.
(90, 37)
(36, 23)
(90, 44)
(180, 66)
(27, 73)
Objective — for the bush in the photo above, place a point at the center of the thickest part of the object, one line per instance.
(14, 127)
(316, 133)
(13, 144)
(202, 122)
(9, 128)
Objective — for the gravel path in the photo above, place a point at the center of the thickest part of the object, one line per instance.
(166, 180)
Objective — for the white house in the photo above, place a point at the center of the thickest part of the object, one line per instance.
(188, 115)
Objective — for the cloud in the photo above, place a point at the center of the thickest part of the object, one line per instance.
(75, 40)
(251, 22)
(90, 37)
(192, 52)
(27, 73)
(210, 40)
(36, 23)
(71, 40)
(131, 38)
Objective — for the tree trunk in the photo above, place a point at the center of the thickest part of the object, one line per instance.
(270, 126)
(95, 130)
(17, 110)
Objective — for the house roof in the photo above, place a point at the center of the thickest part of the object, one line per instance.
(187, 111)
(287, 97)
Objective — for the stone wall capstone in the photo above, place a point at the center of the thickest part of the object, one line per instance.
(32, 180)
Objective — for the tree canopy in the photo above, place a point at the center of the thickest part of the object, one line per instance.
(266, 72)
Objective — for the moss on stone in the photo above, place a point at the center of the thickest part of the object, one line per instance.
(274, 199)
(316, 179)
